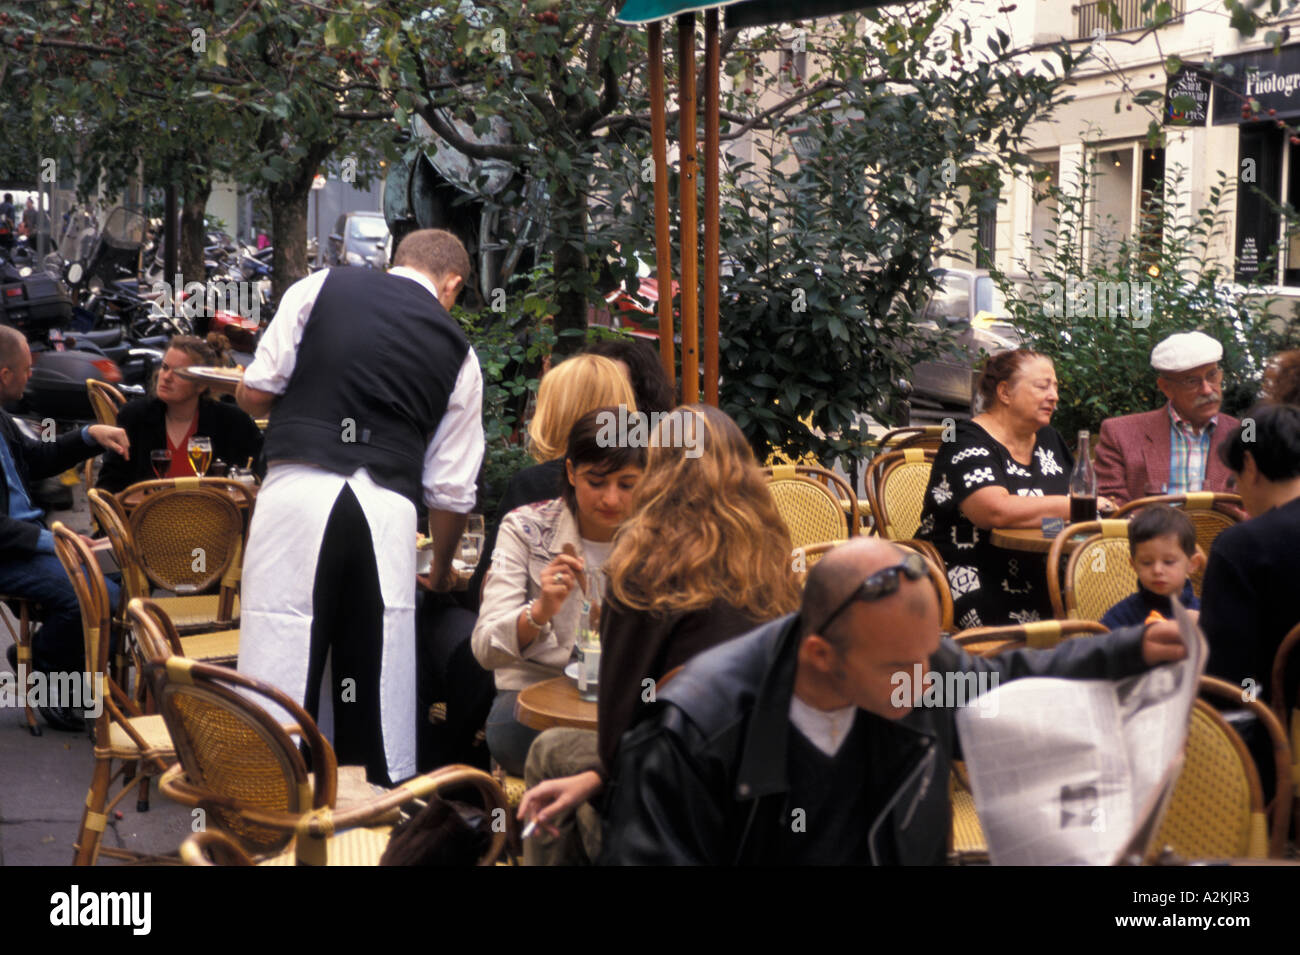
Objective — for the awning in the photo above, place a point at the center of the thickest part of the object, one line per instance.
(742, 13)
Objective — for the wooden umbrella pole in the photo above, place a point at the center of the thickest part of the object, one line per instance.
(663, 234)
(688, 210)
(711, 108)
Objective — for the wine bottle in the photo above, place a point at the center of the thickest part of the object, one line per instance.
(1083, 485)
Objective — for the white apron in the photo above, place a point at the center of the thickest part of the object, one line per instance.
(279, 573)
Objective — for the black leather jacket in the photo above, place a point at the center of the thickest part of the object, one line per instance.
(702, 779)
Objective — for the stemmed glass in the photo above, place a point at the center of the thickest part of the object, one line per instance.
(200, 451)
(161, 461)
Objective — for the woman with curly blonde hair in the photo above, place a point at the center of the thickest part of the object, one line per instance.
(702, 557)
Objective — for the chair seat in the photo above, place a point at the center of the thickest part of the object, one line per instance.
(196, 611)
(152, 730)
(218, 647)
(967, 833)
(353, 847)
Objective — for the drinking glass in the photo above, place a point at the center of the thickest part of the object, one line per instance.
(161, 461)
(200, 450)
(471, 541)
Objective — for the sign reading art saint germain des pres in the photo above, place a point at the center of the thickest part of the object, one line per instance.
(1188, 84)
(1272, 79)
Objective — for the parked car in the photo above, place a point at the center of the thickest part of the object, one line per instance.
(970, 304)
(359, 238)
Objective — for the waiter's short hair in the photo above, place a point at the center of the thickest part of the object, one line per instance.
(11, 346)
(567, 392)
(435, 252)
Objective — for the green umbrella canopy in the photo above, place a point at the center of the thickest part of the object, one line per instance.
(743, 13)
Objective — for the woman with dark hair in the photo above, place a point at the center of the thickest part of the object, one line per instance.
(529, 619)
(1008, 467)
(704, 557)
(178, 410)
(641, 362)
(1248, 594)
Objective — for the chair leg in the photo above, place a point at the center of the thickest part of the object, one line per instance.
(142, 801)
(94, 818)
(23, 640)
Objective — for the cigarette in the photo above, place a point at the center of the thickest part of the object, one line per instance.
(529, 829)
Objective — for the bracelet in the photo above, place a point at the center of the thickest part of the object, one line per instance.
(528, 615)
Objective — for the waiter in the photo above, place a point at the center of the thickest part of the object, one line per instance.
(375, 398)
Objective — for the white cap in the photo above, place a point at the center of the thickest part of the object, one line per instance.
(1185, 350)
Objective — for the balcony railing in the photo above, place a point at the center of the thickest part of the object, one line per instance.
(1132, 16)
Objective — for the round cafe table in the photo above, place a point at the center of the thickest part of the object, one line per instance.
(1029, 539)
(554, 703)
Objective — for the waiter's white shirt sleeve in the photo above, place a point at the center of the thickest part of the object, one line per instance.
(277, 352)
(453, 457)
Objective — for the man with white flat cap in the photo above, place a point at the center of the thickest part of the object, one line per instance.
(1170, 450)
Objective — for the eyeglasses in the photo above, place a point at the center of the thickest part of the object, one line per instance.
(881, 584)
(1193, 382)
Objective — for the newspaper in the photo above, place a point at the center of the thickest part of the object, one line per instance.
(1079, 772)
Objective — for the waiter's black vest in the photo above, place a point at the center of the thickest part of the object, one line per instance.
(376, 366)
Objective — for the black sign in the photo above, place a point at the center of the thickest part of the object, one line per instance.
(1271, 79)
(1192, 84)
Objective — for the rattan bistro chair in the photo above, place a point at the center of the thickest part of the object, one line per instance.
(105, 400)
(243, 769)
(1217, 810)
(1036, 635)
(1098, 574)
(24, 610)
(813, 503)
(896, 483)
(1210, 514)
(967, 842)
(928, 436)
(137, 745)
(207, 636)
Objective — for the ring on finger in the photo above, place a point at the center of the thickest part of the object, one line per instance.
(559, 577)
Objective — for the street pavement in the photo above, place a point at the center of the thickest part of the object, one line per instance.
(44, 781)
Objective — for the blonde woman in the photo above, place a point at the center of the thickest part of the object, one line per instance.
(703, 557)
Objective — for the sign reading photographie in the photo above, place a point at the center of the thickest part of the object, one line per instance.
(1272, 79)
(1187, 97)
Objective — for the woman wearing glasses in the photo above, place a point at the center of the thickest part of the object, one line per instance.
(1008, 467)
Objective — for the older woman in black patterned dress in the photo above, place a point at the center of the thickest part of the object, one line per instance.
(1007, 467)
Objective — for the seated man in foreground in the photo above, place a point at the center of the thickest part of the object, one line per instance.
(793, 743)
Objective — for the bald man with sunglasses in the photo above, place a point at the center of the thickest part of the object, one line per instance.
(793, 745)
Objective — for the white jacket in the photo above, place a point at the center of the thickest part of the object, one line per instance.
(530, 538)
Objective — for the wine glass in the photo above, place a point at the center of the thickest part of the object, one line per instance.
(471, 541)
(200, 451)
(161, 460)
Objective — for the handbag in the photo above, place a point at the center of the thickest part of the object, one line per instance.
(443, 833)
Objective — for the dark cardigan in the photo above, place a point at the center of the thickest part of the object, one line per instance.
(235, 439)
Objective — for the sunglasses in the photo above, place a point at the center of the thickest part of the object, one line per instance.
(881, 584)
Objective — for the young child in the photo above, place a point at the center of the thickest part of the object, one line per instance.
(1162, 549)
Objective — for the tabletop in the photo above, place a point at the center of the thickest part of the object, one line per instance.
(554, 703)
(1029, 539)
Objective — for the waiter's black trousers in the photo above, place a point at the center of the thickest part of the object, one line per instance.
(348, 624)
